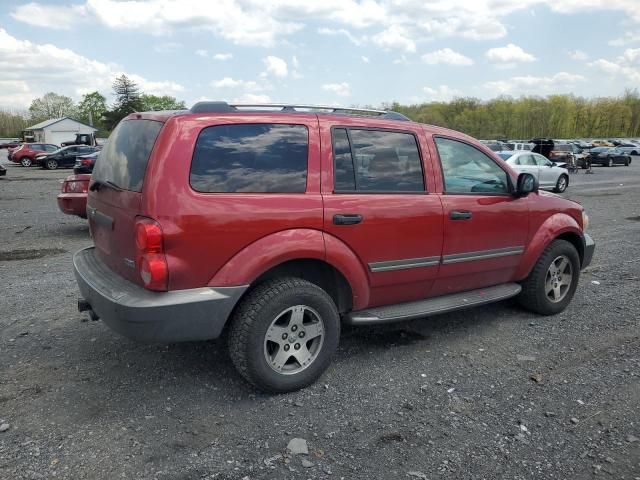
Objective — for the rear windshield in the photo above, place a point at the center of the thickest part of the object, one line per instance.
(124, 158)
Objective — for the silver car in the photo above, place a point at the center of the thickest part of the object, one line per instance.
(550, 176)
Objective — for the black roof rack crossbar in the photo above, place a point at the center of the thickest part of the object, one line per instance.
(224, 107)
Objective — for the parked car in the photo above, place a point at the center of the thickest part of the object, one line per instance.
(550, 175)
(601, 143)
(72, 199)
(9, 143)
(64, 157)
(629, 148)
(85, 163)
(277, 223)
(3, 171)
(495, 146)
(518, 146)
(26, 153)
(606, 156)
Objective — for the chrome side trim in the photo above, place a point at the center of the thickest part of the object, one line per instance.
(482, 255)
(403, 264)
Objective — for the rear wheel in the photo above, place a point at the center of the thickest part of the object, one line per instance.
(51, 164)
(283, 334)
(561, 184)
(26, 162)
(551, 284)
(627, 162)
(610, 163)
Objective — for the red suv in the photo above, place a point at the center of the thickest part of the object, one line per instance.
(26, 153)
(274, 224)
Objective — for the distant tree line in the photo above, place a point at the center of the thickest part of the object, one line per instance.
(92, 108)
(555, 116)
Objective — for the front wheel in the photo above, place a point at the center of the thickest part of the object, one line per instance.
(283, 334)
(561, 184)
(610, 163)
(26, 162)
(551, 284)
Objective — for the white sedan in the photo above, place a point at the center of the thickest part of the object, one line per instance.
(550, 175)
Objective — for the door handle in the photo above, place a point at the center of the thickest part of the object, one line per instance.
(457, 215)
(347, 219)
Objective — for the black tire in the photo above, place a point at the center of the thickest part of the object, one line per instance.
(534, 296)
(50, 164)
(627, 162)
(251, 323)
(26, 162)
(561, 186)
(610, 163)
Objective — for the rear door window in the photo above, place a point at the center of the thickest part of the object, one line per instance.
(124, 158)
(251, 158)
(376, 161)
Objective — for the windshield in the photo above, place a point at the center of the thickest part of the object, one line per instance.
(124, 158)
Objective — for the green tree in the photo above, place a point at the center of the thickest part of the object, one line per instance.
(12, 123)
(127, 100)
(164, 102)
(51, 105)
(92, 107)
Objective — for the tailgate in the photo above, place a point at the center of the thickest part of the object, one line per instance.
(115, 198)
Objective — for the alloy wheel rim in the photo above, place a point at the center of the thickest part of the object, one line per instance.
(294, 340)
(51, 164)
(562, 184)
(558, 279)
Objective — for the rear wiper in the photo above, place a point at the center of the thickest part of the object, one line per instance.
(98, 184)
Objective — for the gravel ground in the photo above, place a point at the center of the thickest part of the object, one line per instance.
(494, 392)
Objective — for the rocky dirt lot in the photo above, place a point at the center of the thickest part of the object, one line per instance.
(490, 393)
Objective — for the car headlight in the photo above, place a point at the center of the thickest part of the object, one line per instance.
(585, 221)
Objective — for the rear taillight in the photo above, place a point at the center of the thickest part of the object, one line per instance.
(151, 260)
(75, 186)
(86, 162)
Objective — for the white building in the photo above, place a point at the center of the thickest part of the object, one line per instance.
(57, 130)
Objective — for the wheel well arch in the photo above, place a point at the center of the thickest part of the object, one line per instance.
(318, 272)
(575, 240)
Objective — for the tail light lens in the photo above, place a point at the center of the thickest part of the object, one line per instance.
(75, 186)
(86, 162)
(151, 260)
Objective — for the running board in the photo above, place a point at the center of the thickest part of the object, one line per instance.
(433, 306)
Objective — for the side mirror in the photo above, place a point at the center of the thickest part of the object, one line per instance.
(527, 184)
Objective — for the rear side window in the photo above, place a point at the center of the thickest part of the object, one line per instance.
(124, 158)
(260, 158)
(376, 161)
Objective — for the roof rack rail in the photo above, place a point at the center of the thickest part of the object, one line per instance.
(224, 107)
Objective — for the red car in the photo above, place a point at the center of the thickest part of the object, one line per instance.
(26, 153)
(278, 223)
(73, 198)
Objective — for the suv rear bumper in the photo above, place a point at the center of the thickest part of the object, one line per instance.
(589, 248)
(147, 316)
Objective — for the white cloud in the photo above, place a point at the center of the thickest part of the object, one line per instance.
(446, 56)
(443, 93)
(365, 59)
(508, 55)
(202, 53)
(341, 31)
(530, 85)
(393, 24)
(276, 66)
(394, 38)
(29, 70)
(49, 16)
(341, 89)
(222, 57)
(627, 39)
(626, 66)
(229, 82)
(578, 55)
